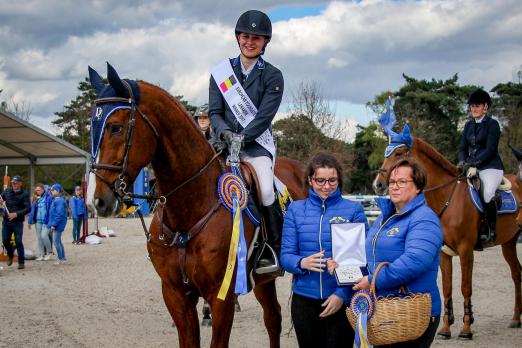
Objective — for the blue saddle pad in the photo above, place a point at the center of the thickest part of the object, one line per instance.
(508, 206)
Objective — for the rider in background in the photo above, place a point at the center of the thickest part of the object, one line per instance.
(479, 148)
(203, 121)
(263, 83)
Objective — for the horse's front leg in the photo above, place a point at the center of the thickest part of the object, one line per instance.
(182, 309)
(509, 251)
(222, 319)
(267, 296)
(466, 267)
(446, 268)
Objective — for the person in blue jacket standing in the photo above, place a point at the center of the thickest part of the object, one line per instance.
(408, 235)
(260, 85)
(318, 303)
(77, 205)
(39, 216)
(58, 220)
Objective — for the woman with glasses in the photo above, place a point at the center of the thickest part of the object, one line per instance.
(407, 235)
(318, 303)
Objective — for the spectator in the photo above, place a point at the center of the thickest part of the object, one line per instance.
(16, 204)
(39, 216)
(58, 220)
(318, 302)
(78, 211)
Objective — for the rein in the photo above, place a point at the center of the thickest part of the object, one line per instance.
(455, 181)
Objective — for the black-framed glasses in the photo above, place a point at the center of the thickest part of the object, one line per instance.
(323, 181)
(401, 182)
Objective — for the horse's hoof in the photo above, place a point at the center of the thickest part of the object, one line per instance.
(466, 335)
(238, 308)
(206, 322)
(444, 335)
(515, 324)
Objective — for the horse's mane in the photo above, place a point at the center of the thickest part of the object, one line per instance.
(175, 101)
(434, 155)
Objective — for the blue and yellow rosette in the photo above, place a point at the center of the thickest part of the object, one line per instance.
(233, 195)
(362, 307)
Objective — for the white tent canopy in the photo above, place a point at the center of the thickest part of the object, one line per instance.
(22, 143)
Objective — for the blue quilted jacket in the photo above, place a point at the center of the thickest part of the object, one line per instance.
(411, 241)
(58, 214)
(306, 231)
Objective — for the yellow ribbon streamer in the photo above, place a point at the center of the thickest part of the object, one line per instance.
(232, 254)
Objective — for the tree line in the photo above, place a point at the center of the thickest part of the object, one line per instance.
(436, 111)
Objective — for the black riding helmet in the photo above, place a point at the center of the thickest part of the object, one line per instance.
(255, 22)
(479, 96)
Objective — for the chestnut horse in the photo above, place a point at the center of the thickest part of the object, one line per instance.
(447, 194)
(150, 126)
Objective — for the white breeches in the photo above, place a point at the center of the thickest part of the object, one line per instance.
(263, 167)
(490, 178)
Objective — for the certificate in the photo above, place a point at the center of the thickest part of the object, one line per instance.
(348, 250)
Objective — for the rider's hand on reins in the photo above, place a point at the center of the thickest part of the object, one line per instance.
(314, 262)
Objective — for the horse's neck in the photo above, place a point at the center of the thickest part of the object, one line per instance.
(182, 153)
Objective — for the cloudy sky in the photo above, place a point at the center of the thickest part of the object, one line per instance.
(353, 49)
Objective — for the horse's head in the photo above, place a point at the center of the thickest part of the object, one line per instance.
(400, 146)
(123, 140)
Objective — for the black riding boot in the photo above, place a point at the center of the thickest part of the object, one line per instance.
(490, 215)
(274, 224)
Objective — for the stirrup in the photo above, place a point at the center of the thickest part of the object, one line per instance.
(274, 267)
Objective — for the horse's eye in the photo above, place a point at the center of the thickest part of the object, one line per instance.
(115, 129)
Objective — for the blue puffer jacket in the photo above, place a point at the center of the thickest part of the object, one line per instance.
(34, 209)
(58, 214)
(410, 241)
(77, 205)
(306, 231)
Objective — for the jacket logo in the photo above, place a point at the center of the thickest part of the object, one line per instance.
(392, 232)
(337, 220)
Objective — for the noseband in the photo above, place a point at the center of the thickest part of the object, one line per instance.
(119, 186)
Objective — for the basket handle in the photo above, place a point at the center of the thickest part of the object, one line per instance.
(402, 288)
(374, 279)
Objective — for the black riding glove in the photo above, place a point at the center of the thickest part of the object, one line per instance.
(463, 166)
(227, 136)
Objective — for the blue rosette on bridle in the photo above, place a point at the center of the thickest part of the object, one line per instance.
(362, 307)
(233, 195)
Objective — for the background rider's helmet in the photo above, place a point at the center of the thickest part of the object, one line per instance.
(201, 111)
(255, 22)
(479, 96)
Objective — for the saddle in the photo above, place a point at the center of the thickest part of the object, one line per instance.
(508, 202)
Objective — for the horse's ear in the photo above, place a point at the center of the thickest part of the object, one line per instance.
(96, 80)
(115, 82)
(407, 135)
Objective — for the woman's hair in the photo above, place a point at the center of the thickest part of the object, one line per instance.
(323, 160)
(418, 174)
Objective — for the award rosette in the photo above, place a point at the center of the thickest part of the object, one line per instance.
(233, 195)
(362, 306)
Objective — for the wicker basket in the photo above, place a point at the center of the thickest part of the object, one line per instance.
(395, 319)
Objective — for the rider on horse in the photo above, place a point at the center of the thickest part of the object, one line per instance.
(479, 149)
(260, 87)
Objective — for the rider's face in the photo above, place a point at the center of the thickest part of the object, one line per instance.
(251, 45)
(478, 110)
(203, 122)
